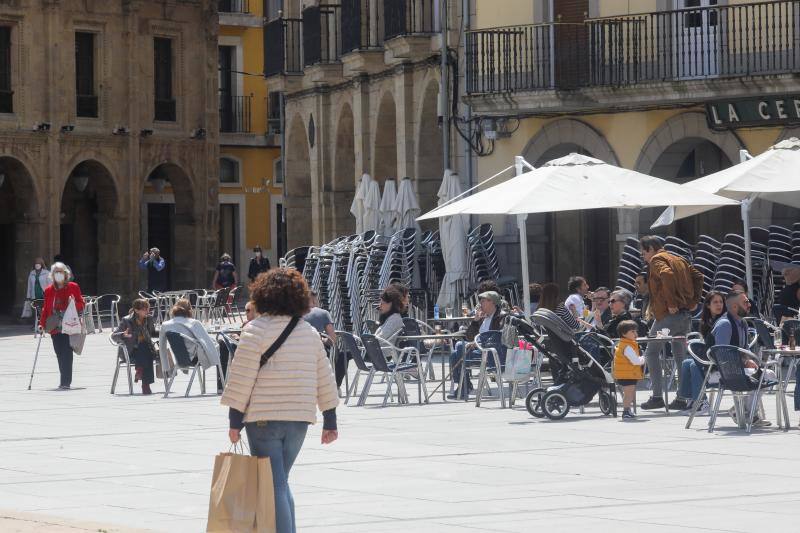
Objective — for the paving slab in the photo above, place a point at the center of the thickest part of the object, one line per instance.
(86, 460)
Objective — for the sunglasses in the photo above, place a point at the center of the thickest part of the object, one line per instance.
(599, 299)
(613, 300)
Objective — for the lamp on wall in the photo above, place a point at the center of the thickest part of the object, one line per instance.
(80, 182)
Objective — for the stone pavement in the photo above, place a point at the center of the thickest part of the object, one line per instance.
(72, 460)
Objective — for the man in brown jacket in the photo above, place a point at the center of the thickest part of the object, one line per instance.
(676, 288)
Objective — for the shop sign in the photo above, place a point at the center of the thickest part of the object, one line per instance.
(753, 112)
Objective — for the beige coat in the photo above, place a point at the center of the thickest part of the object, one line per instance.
(291, 385)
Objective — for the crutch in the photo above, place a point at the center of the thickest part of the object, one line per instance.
(35, 358)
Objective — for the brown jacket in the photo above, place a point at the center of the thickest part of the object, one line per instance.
(497, 324)
(673, 282)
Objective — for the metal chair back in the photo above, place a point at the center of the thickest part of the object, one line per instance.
(348, 343)
(728, 360)
(183, 348)
(374, 352)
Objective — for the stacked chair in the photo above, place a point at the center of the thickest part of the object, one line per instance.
(400, 262)
(796, 242)
(706, 258)
(678, 247)
(780, 249)
(731, 264)
(483, 256)
(630, 265)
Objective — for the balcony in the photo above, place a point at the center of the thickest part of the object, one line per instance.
(234, 6)
(282, 52)
(407, 28)
(322, 44)
(361, 45)
(710, 44)
(234, 113)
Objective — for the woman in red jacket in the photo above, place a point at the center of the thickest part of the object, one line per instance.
(56, 300)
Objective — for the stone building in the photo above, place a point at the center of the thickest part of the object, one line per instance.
(108, 140)
(671, 88)
(361, 81)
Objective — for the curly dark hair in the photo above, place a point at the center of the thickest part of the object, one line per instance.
(280, 291)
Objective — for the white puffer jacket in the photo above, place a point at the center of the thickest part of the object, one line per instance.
(295, 381)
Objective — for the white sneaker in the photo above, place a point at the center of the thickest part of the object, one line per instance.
(702, 410)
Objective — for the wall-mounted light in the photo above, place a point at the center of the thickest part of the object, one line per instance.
(41, 127)
(158, 184)
(145, 133)
(67, 128)
(120, 130)
(80, 182)
(198, 134)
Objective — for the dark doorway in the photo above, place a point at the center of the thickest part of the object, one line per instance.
(79, 247)
(160, 226)
(229, 231)
(7, 268)
(280, 225)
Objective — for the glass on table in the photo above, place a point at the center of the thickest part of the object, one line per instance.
(437, 329)
(778, 339)
(448, 312)
(464, 310)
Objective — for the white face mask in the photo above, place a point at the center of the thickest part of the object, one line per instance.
(37, 266)
(59, 277)
(258, 254)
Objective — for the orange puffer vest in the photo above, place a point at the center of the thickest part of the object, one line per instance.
(623, 368)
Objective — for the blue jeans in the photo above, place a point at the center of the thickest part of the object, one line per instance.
(458, 355)
(281, 442)
(691, 379)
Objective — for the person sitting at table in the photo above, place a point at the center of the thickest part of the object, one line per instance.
(227, 351)
(490, 317)
(789, 298)
(390, 318)
(183, 323)
(618, 304)
(691, 375)
(405, 295)
(600, 313)
(321, 320)
(137, 331)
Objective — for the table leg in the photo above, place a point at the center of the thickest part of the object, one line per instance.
(444, 381)
(664, 379)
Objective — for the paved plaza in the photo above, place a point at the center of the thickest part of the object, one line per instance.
(84, 460)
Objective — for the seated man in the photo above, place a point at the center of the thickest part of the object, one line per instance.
(600, 314)
(489, 317)
(321, 320)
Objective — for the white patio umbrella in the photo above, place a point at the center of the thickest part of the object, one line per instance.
(372, 205)
(357, 206)
(571, 183)
(386, 226)
(453, 236)
(771, 176)
(406, 206)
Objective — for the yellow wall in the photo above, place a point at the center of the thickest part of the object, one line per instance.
(513, 13)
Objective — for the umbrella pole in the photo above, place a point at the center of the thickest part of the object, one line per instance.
(748, 259)
(523, 248)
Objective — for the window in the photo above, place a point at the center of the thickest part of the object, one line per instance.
(86, 104)
(228, 170)
(227, 88)
(6, 94)
(274, 113)
(273, 9)
(277, 171)
(164, 101)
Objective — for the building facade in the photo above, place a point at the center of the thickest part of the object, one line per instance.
(108, 140)
(361, 84)
(249, 167)
(671, 88)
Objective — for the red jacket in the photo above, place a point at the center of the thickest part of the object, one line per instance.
(58, 300)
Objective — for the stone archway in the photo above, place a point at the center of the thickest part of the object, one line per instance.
(430, 163)
(89, 228)
(299, 212)
(571, 243)
(172, 225)
(20, 234)
(343, 185)
(682, 149)
(384, 151)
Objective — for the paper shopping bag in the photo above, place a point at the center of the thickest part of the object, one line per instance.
(265, 511)
(518, 365)
(234, 494)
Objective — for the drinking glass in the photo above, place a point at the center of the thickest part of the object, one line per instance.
(778, 339)
(448, 312)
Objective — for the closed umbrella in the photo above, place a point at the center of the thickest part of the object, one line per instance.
(387, 207)
(406, 207)
(770, 176)
(572, 183)
(372, 205)
(357, 206)
(453, 236)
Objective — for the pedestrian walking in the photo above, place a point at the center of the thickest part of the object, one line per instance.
(258, 264)
(278, 379)
(137, 331)
(156, 267)
(225, 275)
(38, 279)
(57, 296)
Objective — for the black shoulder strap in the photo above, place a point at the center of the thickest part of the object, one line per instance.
(280, 340)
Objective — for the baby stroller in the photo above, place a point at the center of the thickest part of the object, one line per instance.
(577, 375)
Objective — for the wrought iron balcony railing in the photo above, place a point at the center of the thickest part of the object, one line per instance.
(234, 113)
(321, 34)
(356, 26)
(405, 17)
(695, 43)
(282, 46)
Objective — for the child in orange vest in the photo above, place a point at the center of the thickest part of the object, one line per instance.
(628, 365)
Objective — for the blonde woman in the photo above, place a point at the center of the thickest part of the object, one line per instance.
(56, 300)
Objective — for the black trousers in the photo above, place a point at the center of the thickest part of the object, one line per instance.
(225, 358)
(340, 365)
(64, 356)
(143, 357)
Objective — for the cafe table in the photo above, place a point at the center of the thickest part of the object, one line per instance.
(663, 358)
(450, 338)
(783, 378)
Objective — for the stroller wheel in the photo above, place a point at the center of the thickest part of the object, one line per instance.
(533, 402)
(555, 405)
(605, 403)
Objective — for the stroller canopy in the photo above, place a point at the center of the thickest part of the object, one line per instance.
(550, 321)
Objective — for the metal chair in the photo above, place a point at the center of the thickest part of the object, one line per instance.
(347, 342)
(490, 345)
(699, 353)
(111, 310)
(394, 371)
(184, 349)
(728, 360)
(123, 359)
